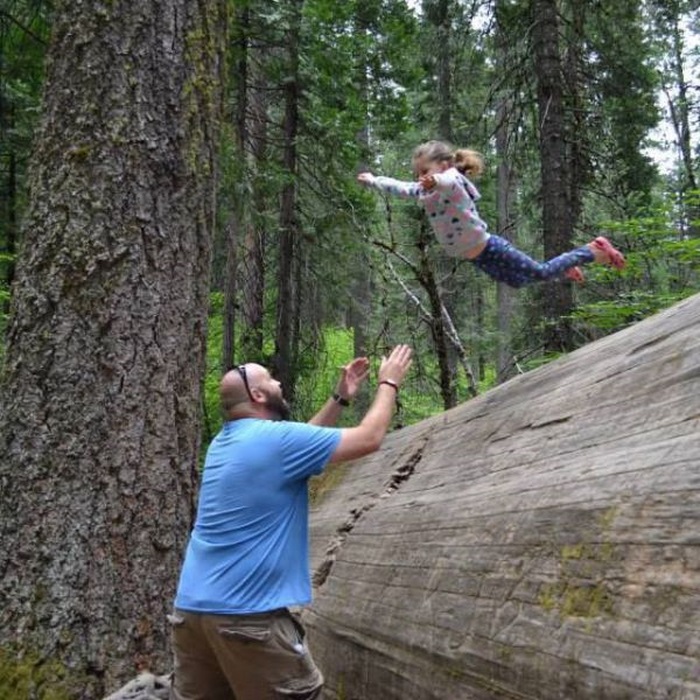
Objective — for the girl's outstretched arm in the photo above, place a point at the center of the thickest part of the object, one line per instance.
(398, 188)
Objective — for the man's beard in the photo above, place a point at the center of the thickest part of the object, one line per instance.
(278, 406)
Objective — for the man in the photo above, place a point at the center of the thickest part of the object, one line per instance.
(247, 560)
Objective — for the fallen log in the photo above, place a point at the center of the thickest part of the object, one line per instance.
(541, 541)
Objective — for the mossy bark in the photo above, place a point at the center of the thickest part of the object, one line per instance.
(101, 391)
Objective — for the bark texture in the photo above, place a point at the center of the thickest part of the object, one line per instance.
(286, 340)
(101, 392)
(557, 222)
(253, 270)
(538, 542)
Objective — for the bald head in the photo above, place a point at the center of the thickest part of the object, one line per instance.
(234, 392)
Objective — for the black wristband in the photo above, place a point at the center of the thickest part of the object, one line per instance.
(340, 400)
(391, 383)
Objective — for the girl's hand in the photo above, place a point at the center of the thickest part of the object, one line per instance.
(427, 182)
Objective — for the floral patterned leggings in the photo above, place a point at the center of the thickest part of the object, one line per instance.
(503, 262)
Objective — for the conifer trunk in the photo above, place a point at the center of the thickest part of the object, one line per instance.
(289, 231)
(557, 298)
(101, 392)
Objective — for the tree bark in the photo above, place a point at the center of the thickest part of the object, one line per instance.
(360, 305)
(235, 223)
(577, 148)
(255, 243)
(285, 341)
(557, 299)
(101, 394)
(427, 280)
(443, 26)
(506, 226)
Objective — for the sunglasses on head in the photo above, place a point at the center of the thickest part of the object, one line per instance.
(244, 376)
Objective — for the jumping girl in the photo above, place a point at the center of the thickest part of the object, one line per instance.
(446, 193)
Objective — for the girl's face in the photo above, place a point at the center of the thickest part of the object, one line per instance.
(422, 166)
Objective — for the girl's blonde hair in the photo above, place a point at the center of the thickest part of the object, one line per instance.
(468, 162)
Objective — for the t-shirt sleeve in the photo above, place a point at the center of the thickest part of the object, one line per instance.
(306, 449)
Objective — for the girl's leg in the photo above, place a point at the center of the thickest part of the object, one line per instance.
(505, 263)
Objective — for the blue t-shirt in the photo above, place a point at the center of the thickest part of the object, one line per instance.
(249, 549)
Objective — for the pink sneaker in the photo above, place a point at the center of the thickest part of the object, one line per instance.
(613, 256)
(575, 274)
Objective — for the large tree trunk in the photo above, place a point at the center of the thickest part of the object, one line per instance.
(100, 402)
(289, 224)
(557, 299)
(360, 302)
(253, 269)
(443, 28)
(245, 286)
(577, 148)
(237, 208)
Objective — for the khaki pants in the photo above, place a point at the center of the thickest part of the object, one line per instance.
(242, 657)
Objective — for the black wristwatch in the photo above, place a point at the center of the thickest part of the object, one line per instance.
(340, 400)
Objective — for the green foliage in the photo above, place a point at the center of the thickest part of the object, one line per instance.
(622, 83)
(23, 40)
(663, 267)
(611, 316)
(370, 76)
(319, 372)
